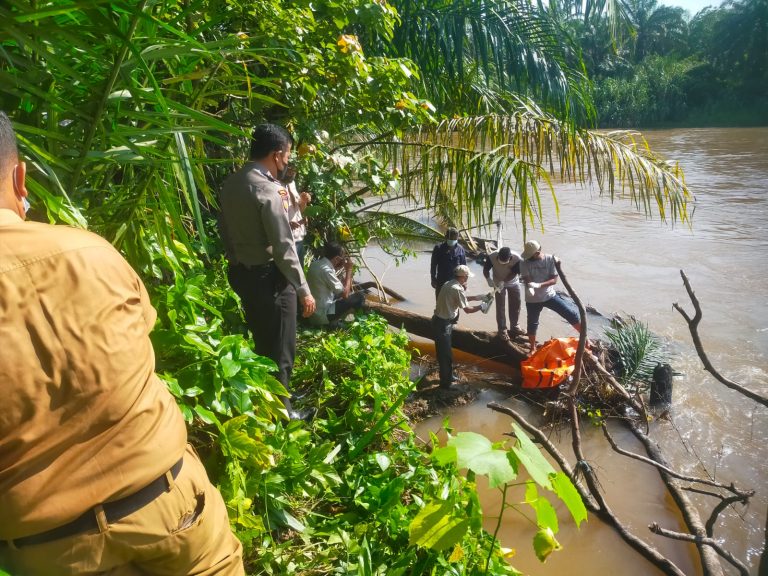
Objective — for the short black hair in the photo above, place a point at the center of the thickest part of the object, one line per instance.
(268, 138)
(9, 151)
(505, 253)
(452, 234)
(333, 249)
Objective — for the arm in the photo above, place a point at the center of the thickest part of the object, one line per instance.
(433, 267)
(347, 277)
(462, 256)
(278, 230)
(487, 267)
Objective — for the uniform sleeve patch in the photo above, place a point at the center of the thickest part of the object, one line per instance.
(284, 196)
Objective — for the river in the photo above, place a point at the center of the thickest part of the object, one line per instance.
(620, 261)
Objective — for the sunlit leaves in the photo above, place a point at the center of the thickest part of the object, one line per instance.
(476, 453)
(438, 526)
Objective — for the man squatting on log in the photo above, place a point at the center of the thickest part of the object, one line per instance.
(96, 475)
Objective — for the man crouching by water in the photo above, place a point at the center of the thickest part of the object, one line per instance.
(450, 300)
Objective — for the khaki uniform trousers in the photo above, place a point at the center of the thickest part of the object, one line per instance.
(184, 531)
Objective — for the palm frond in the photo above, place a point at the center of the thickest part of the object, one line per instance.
(639, 351)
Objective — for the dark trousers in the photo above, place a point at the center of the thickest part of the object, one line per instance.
(443, 330)
(509, 294)
(269, 303)
(342, 306)
(565, 308)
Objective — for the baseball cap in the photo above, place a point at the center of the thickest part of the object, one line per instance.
(530, 248)
(462, 270)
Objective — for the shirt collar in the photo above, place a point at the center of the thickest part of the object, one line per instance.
(8, 217)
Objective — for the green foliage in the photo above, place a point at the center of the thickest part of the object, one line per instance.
(438, 526)
(638, 349)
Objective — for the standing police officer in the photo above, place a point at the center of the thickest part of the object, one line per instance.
(264, 268)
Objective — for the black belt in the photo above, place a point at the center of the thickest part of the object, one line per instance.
(113, 511)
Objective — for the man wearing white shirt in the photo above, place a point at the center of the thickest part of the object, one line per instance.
(505, 266)
(332, 294)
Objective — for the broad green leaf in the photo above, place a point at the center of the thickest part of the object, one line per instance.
(444, 455)
(546, 517)
(382, 460)
(437, 527)
(229, 366)
(475, 452)
(566, 491)
(207, 416)
(544, 544)
(287, 519)
(531, 457)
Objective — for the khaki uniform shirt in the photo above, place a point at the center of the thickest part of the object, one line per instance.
(84, 419)
(254, 224)
(450, 300)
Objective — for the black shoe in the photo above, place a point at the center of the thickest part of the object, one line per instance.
(306, 415)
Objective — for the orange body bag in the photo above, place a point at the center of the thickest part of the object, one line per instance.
(551, 364)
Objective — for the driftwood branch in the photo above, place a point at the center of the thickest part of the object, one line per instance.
(593, 498)
(710, 525)
(578, 362)
(693, 325)
(373, 285)
(710, 560)
(701, 541)
(740, 495)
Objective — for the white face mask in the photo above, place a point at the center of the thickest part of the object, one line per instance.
(451, 243)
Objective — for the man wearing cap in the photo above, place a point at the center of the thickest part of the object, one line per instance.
(264, 268)
(445, 257)
(450, 300)
(96, 476)
(539, 274)
(505, 266)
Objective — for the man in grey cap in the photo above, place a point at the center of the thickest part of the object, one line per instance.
(264, 268)
(445, 257)
(539, 274)
(450, 300)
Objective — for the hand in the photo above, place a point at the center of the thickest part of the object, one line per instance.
(348, 264)
(534, 285)
(490, 282)
(308, 304)
(304, 199)
(434, 283)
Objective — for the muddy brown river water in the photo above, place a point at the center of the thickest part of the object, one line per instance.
(620, 261)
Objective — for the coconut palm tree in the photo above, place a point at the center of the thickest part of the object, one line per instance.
(131, 112)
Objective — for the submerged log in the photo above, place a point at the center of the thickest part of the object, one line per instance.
(478, 342)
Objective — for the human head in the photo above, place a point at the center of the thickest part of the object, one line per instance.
(271, 146)
(335, 252)
(504, 254)
(462, 273)
(531, 249)
(451, 237)
(12, 172)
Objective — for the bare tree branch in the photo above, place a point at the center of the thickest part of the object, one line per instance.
(739, 494)
(699, 541)
(693, 324)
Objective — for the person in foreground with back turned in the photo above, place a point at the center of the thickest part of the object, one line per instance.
(450, 300)
(539, 274)
(96, 476)
(264, 268)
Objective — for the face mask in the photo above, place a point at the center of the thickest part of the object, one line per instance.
(287, 174)
(451, 243)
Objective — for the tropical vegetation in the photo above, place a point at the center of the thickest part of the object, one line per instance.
(129, 113)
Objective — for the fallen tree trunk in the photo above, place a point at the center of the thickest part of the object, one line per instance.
(477, 342)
